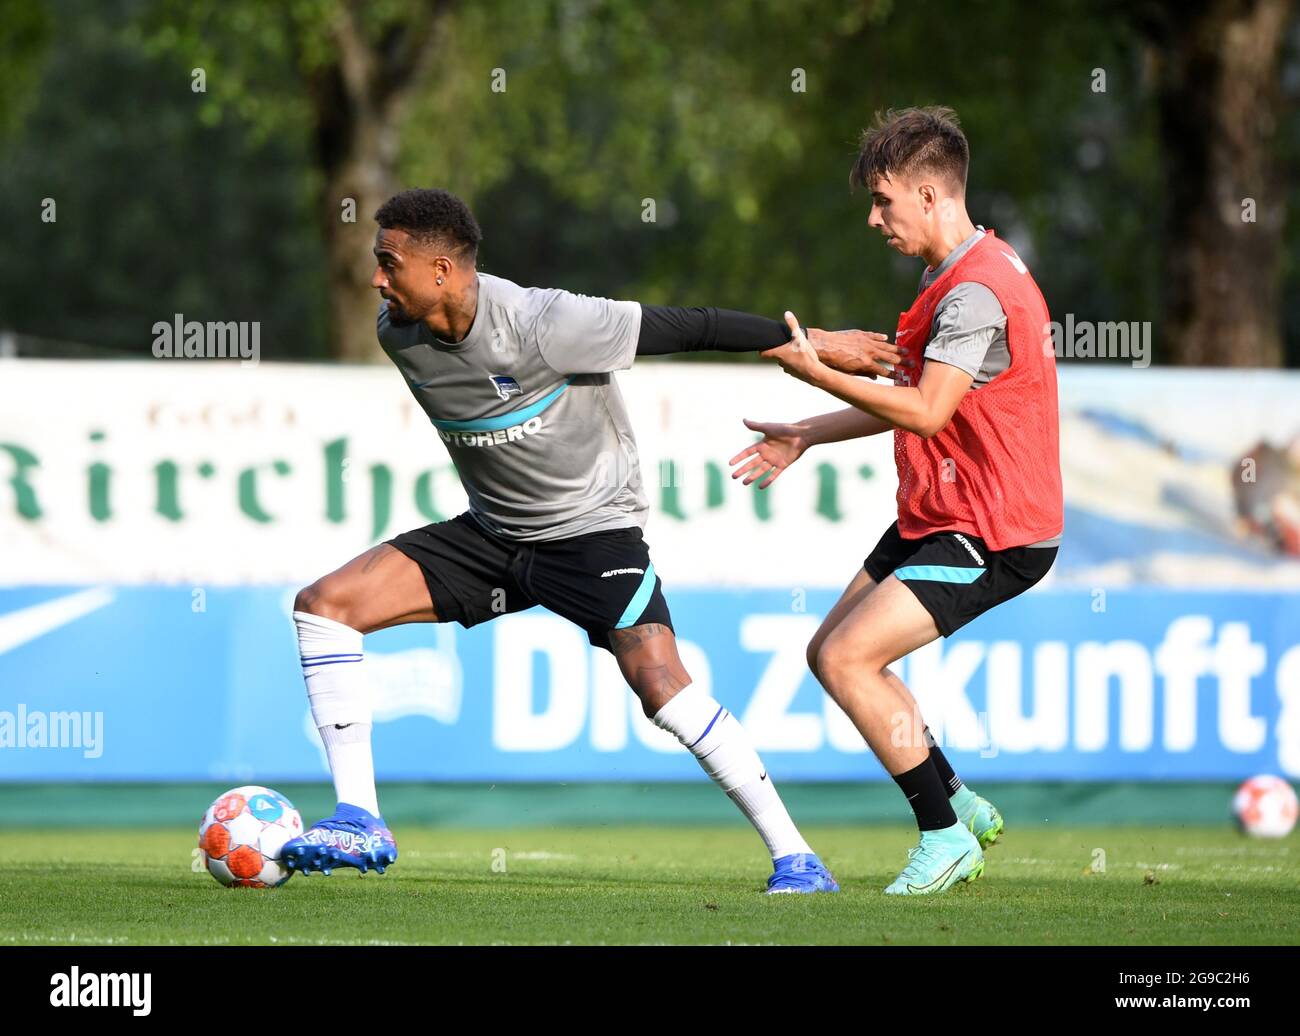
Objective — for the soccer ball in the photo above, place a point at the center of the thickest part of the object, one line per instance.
(1265, 807)
(242, 833)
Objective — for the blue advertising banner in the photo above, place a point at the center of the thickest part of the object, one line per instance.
(117, 683)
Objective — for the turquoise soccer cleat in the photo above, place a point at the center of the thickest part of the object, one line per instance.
(978, 816)
(352, 837)
(800, 873)
(941, 860)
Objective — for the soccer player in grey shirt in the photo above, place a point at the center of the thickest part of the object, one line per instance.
(518, 383)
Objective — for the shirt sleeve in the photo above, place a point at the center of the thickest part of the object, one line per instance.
(966, 321)
(581, 334)
(674, 329)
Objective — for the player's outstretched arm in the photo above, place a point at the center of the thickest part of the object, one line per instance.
(923, 409)
(676, 329)
(783, 444)
(580, 334)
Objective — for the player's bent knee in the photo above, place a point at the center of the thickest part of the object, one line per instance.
(813, 654)
(647, 656)
(322, 599)
(658, 691)
(833, 660)
(839, 664)
(307, 600)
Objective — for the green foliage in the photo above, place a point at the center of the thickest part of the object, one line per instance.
(208, 202)
(158, 210)
(24, 34)
(251, 55)
(693, 106)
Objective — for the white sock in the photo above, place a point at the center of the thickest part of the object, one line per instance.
(332, 666)
(724, 750)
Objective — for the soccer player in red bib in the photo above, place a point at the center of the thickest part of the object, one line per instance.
(974, 415)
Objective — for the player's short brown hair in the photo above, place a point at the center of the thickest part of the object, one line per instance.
(910, 141)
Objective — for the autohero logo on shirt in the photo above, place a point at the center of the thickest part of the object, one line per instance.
(494, 438)
(505, 387)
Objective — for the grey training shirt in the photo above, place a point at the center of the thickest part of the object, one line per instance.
(969, 329)
(529, 410)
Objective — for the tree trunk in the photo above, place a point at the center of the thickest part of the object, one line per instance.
(1216, 67)
(358, 103)
(363, 180)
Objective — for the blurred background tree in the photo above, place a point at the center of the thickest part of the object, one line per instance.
(24, 33)
(1217, 70)
(340, 73)
(673, 153)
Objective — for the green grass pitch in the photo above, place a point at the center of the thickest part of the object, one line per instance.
(688, 884)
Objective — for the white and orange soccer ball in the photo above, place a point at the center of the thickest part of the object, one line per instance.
(1265, 807)
(242, 833)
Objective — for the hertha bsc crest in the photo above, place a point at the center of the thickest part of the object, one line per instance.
(506, 386)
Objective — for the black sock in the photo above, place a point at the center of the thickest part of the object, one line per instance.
(927, 796)
(951, 781)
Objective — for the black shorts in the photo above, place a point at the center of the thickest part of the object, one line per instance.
(955, 576)
(600, 581)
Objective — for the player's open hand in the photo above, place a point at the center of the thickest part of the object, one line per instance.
(858, 352)
(796, 356)
(781, 446)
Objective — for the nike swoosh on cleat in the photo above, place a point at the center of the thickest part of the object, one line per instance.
(942, 877)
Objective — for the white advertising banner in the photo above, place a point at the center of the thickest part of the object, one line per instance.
(209, 473)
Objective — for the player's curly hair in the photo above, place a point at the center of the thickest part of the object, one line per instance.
(433, 217)
(911, 140)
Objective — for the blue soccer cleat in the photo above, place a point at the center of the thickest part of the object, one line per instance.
(800, 872)
(978, 816)
(942, 859)
(352, 837)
